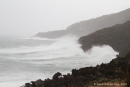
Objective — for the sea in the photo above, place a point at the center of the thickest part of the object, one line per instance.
(24, 60)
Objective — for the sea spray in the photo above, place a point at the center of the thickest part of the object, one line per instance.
(101, 54)
(34, 59)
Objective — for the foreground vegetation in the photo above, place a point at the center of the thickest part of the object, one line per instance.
(118, 70)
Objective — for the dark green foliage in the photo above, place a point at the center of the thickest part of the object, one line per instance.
(56, 75)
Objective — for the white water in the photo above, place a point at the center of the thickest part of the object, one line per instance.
(30, 59)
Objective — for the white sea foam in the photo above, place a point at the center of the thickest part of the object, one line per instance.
(66, 46)
(44, 60)
(101, 54)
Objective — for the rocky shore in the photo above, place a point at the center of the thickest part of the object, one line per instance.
(116, 70)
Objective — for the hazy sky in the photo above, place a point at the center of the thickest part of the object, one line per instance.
(27, 17)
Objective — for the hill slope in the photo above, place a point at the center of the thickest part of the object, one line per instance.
(86, 27)
(118, 37)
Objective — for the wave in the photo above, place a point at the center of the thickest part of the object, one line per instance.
(64, 47)
(101, 54)
(43, 60)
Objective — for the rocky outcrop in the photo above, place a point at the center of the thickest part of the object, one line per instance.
(86, 27)
(118, 37)
(117, 70)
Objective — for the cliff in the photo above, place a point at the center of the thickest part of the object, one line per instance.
(86, 27)
(118, 37)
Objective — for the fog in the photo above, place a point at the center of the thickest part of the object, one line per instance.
(24, 18)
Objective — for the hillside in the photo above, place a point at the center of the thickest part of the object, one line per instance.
(118, 37)
(86, 27)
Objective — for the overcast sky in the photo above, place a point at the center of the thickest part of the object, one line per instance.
(24, 18)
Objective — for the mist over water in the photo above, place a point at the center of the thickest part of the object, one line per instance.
(29, 59)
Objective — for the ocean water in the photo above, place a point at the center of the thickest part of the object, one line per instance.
(28, 59)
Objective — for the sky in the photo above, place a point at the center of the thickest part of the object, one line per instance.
(25, 18)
